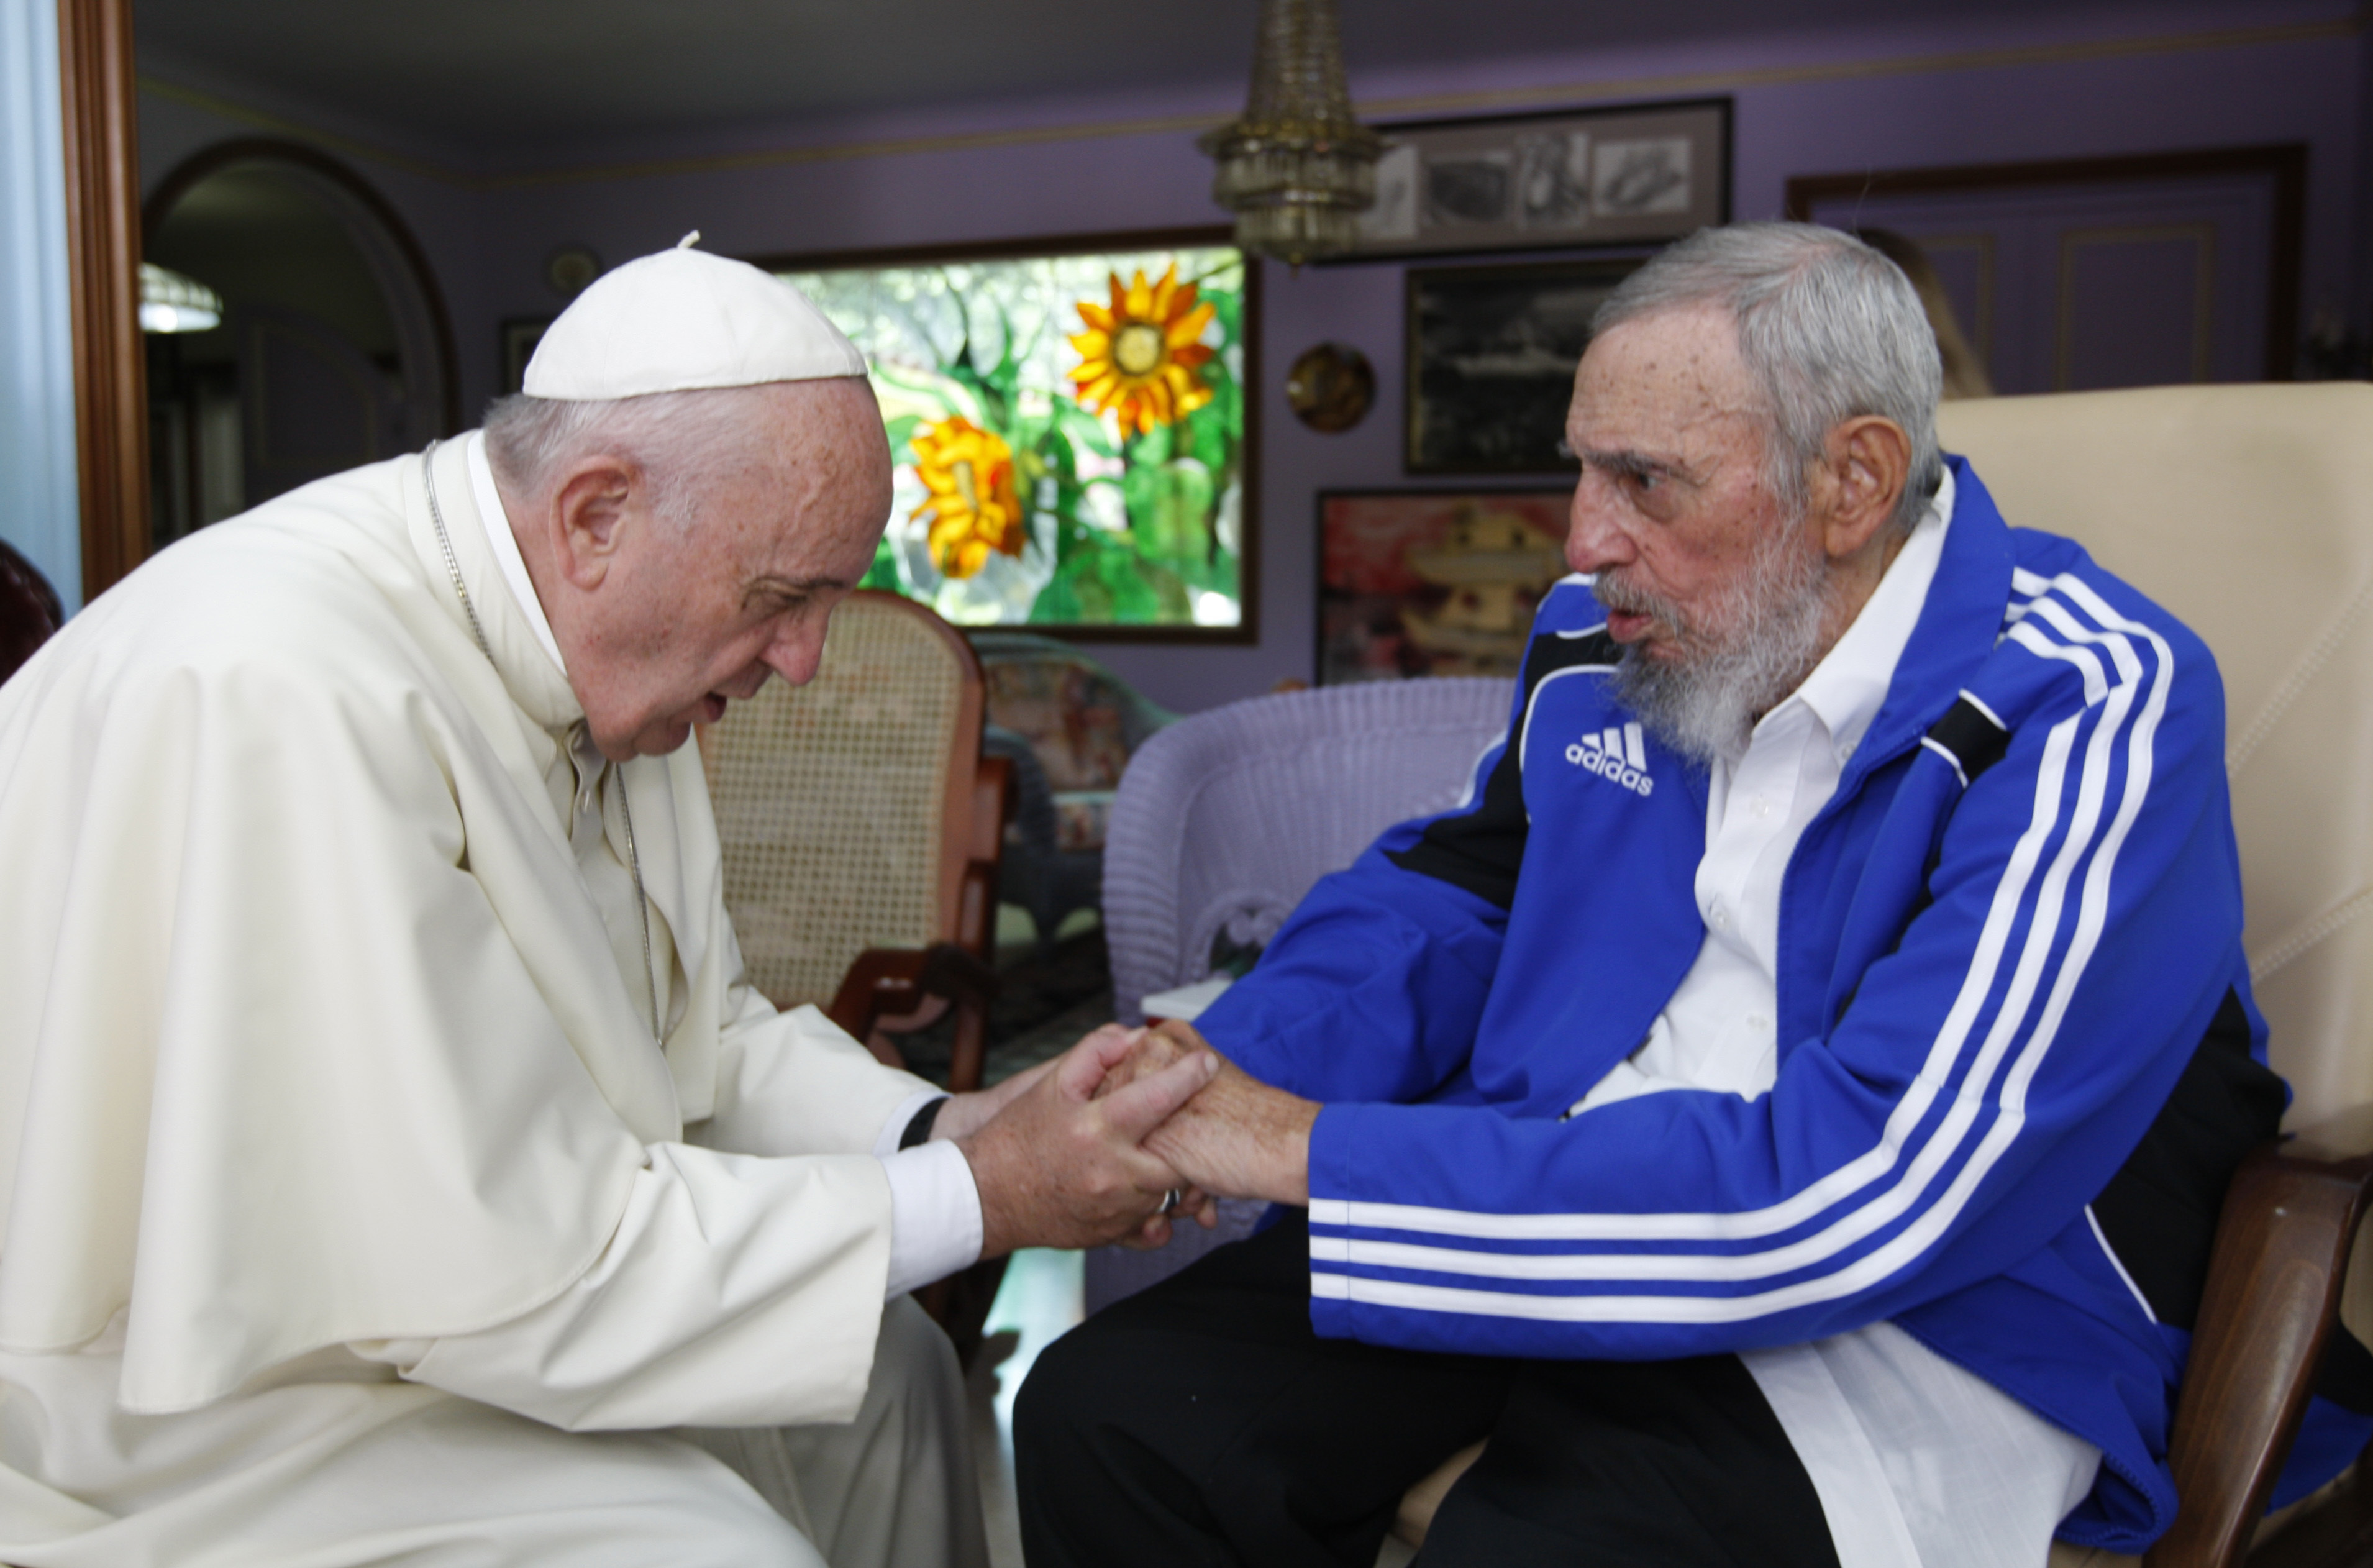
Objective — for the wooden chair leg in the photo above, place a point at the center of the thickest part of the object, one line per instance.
(970, 1055)
(2274, 1280)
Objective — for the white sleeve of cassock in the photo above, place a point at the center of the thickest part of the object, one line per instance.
(737, 1291)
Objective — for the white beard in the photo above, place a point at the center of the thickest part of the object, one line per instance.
(1751, 648)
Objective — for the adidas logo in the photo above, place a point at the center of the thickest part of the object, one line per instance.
(1614, 755)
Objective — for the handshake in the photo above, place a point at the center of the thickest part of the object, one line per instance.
(1123, 1133)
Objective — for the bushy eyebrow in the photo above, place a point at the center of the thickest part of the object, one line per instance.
(1627, 465)
(792, 587)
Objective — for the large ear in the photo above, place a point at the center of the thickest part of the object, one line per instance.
(587, 517)
(1865, 466)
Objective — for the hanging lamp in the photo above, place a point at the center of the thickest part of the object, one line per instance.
(172, 301)
(1296, 168)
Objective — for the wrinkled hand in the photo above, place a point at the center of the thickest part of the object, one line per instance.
(1238, 1138)
(1058, 1166)
(966, 1114)
(1152, 1052)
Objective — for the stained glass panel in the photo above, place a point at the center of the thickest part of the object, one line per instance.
(1068, 432)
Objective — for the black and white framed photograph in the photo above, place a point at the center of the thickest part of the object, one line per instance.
(1642, 174)
(1491, 362)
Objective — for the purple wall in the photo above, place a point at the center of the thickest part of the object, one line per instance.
(1967, 93)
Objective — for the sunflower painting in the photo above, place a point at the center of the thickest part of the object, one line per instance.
(1069, 431)
(969, 475)
(1138, 358)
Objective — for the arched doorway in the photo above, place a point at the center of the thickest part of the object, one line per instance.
(333, 348)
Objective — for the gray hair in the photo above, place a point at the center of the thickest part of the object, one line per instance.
(685, 443)
(1829, 329)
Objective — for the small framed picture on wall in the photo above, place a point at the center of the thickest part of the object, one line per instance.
(1414, 583)
(1491, 362)
(1637, 174)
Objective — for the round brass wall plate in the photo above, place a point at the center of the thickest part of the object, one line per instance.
(568, 270)
(1331, 387)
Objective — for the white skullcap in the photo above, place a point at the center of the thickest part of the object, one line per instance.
(683, 320)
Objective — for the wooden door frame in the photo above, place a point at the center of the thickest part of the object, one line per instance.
(102, 189)
(2285, 161)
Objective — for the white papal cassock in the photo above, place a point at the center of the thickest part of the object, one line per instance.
(351, 1212)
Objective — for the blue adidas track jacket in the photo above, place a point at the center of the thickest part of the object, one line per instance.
(2018, 1056)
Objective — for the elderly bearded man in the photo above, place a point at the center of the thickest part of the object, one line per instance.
(1784, 1110)
(390, 1148)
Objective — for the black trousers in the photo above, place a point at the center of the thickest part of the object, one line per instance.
(1203, 1422)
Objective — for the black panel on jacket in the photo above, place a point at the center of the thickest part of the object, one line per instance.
(2159, 1211)
(1480, 850)
(1974, 740)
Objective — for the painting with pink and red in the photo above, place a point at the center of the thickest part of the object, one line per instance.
(1432, 582)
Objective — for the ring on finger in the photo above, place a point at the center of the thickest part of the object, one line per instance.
(1170, 1201)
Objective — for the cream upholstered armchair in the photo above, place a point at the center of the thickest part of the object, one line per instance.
(2248, 511)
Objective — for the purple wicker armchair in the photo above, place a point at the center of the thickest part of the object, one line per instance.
(1225, 819)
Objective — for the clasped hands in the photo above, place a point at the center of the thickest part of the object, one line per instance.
(1088, 1148)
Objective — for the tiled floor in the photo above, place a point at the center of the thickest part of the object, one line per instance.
(1039, 1300)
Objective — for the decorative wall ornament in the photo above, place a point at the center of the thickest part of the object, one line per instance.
(1331, 387)
(1296, 168)
(569, 270)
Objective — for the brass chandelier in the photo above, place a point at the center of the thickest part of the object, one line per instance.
(1296, 168)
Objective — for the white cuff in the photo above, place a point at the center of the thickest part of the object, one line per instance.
(885, 1142)
(934, 1214)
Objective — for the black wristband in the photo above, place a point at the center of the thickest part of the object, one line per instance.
(918, 1131)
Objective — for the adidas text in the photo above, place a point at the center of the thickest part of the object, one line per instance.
(1616, 756)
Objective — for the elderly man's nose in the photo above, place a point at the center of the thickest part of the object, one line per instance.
(795, 655)
(1593, 540)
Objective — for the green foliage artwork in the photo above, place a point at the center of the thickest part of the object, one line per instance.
(1068, 430)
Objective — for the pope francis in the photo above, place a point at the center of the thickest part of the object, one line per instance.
(394, 1166)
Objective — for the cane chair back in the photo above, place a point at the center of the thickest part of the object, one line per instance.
(1224, 820)
(845, 807)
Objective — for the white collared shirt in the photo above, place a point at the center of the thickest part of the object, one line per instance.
(935, 1219)
(1717, 1031)
(1916, 1461)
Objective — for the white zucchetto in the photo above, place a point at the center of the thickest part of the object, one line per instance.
(683, 320)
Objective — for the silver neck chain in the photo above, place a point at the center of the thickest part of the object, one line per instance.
(625, 802)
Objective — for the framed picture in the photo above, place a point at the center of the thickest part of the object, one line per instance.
(1072, 425)
(1434, 582)
(1491, 362)
(1642, 174)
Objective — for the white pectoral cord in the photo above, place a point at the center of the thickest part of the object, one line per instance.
(625, 798)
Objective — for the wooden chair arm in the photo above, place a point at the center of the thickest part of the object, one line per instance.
(2274, 1287)
(886, 982)
(992, 802)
